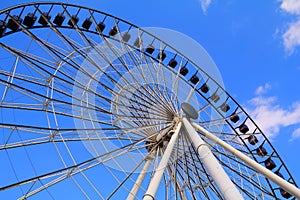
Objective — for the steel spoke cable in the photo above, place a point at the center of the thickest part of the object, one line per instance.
(131, 52)
(247, 178)
(162, 67)
(63, 142)
(54, 173)
(206, 175)
(124, 63)
(37, 94)
(187, 170)
(126, 178)
(152, 76)
(44, 140)
(250, 179)
(147, 64)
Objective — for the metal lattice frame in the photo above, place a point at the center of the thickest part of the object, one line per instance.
(37, 80)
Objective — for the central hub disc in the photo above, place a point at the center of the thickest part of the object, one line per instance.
(189, 110)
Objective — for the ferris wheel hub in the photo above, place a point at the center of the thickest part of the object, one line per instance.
(189, 110)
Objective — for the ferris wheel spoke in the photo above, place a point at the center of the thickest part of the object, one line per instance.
(67, 137)
(44, 81)
(250, 180)
(142, 98)
(71, 45)
(132, 76)
(138, 108)
(144, 119)
(10, 77)
(42, 108)
(177, 182)
(192, 90)
(157, 80)
(59, 54)
(221, 120)
(165, 104)
(34, 94)
(176, 173)
(151, 68)
(26, 90)
(152, 102)
(79, 167)
(141, 104)
(187, 170)
(127, 177)
(70, 173)
(165, 94)
(157, 94)
(38, 130)
(52, 51)
(176, 81)
(44, 140)
(201, 182)
(23, 77)
(206, 181)
(41, 66)
(161, 93)
(246, 177)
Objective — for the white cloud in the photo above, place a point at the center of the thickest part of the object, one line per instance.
(205, 4)
(296, 134)
(291, 6)
(263, 89)
(291, 37)
(271, 117)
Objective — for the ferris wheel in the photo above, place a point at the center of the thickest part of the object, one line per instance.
(94, 107)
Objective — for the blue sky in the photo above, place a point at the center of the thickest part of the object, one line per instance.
(254, 43)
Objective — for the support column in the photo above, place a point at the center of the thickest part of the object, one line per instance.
(290, 188)
(214, 168)
(139, 180)
(155, 180)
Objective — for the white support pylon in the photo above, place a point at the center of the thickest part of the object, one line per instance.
(290, 188)
(139, 180)
(155, 180)
(214, 168)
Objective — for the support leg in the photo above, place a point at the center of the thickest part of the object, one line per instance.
(214, 168)
(139, 180)
(290, 188)
(155, 180)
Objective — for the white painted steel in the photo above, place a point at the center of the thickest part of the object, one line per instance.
(156, 178)
(139, 180)
(214, 168)
(290, 188)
